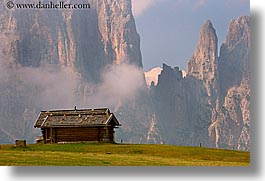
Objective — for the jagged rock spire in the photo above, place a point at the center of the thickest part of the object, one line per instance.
(203, 62)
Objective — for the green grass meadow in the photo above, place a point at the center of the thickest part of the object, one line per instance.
(119, 155)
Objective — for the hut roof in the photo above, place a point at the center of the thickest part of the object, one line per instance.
(76, 118)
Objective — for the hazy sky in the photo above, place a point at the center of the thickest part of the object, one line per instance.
(169, 29)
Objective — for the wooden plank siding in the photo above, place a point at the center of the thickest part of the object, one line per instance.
(89, 134)
(85, 125)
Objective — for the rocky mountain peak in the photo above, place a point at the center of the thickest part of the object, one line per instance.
(235, 54)
(170, 74)
(215, 88)
(238, 30)
(207, 43)
(151, 76)
(208, 25)
(204, 59)
(234, 93)
(204, 62)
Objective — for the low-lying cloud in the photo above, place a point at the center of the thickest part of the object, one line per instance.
(61, 87)
(140, 6)
(119, 83)
(26, 90)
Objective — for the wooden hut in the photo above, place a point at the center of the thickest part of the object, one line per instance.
(87, 125)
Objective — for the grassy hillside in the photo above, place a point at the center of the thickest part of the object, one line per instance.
(119, 155)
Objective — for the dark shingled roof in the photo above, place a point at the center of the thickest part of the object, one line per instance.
(76, 118)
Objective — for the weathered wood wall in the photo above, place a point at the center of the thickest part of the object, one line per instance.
(97, 134)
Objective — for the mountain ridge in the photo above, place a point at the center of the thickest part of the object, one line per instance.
(221, 102)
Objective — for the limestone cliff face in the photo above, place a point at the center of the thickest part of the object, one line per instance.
(154, 136)
(118, 30)
(86, 40)
(203, 64)
(211, 106)
(234, 116)
(181, 108)
(204, 60)
(234, 55)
